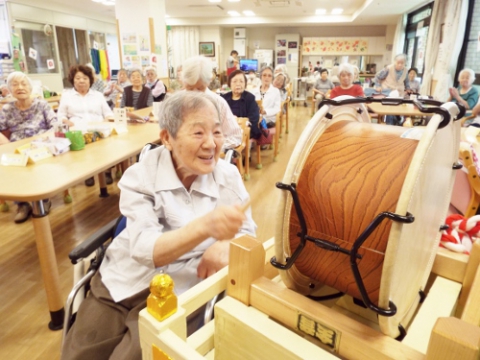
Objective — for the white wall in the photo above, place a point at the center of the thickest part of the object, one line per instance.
(214, 33)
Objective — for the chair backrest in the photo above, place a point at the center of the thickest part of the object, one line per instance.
(243, 123)
(260, 105)
(118, 100)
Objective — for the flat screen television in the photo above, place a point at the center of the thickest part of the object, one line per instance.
(249, 64)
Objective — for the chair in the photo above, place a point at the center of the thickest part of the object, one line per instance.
(244, 171)
(287, 105)
(275, 132)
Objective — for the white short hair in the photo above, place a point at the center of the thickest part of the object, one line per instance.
(400, 56)
(197, 68)
(471, 74)
(17, 75)
(150, 68)
(345, 67)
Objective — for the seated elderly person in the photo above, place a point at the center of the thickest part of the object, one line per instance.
(279, 81)
(215, 83)
(392, 77)
(82, 105)
(24, 118)
(183, 205)
(465, 94)
(115, 87)
(346, 87)
(322, 88)
(282, 68)
(242, 103)
(98, 84)
(137, 96)
(154, 84)
(197, 74)
(412, 86)
(253, 81)
(176, 84)
(4, 92)
(270, 96)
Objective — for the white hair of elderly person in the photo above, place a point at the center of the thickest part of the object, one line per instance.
(196, 76)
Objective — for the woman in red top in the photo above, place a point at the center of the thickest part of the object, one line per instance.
(345, 75)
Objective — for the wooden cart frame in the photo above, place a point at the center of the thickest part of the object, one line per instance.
(262, 319)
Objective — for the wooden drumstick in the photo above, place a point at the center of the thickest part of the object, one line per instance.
(245, 205)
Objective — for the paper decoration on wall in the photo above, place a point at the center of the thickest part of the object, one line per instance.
(143, 43)
(129, 38)
(130, 49)
(153, 59)
(281, 43)
(95, 45)
(158, 49)
(50, 64)
(32, 53)
(145, 60)
(321, 46)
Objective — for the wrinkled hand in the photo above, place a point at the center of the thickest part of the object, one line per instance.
(224, 222)
(378, 89)
(214, 259)
(453, 93)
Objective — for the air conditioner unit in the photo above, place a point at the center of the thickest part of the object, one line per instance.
(239, 33)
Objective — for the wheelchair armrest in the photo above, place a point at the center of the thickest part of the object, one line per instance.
(93, 242)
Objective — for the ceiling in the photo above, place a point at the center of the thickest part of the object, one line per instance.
(267, 12)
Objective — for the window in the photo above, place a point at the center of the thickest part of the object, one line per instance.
(470, 54)
(416, 35)
(38, 47)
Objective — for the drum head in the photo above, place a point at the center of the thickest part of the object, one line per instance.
(347, 172)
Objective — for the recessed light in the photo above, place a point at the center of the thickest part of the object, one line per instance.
(337, 11)
(320, 12)
(108, 3)
(248, 13)
(97, 1)
(233, 13)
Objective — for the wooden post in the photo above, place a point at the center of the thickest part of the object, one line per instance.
(470, 271)
(246, 264)
(454, 339)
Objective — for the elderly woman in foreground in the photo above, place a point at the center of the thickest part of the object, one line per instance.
(465, 94)
(197, 74)
(346, 87)
(183, 205)
(23, 118)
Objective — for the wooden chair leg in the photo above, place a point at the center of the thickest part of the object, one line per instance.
(246, 177)
(4, 206)
(259, 157)
(67, 198)
(286, 118)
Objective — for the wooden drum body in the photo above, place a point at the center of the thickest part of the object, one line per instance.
(346, 173)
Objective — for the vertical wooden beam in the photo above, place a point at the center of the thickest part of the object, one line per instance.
(246, 264)
(151, 26)
(119, 39)
(453, 338)
(470, 275)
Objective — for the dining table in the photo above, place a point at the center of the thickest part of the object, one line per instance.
(50, 176)
(401, 110)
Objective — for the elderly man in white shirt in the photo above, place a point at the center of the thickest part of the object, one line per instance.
(196, 76)
(81, 104)
(183, 205)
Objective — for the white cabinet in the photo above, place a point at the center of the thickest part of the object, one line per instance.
(241, 46)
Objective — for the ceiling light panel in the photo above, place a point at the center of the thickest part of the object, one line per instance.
(233, 13)
(337, 11)
(248, 13)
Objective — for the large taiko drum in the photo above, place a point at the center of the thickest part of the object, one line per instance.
(345, 172)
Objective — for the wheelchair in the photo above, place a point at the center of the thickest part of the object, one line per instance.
(87, 258)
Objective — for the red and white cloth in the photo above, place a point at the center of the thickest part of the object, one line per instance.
(460, 234)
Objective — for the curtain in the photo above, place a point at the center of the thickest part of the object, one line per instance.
(399, 38)
(183, 43)
(433, 45)
(447, 57)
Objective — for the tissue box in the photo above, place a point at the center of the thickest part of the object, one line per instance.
(55, 145)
